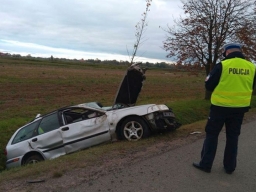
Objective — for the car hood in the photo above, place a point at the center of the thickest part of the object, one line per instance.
(130, 86)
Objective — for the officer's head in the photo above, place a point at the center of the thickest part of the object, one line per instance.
(231, 47)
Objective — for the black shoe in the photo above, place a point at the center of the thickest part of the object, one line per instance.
(198, 166)
(229, 172)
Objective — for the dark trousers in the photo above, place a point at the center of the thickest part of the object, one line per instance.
(216, 120)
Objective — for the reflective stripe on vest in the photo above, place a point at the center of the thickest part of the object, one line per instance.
(235, 85)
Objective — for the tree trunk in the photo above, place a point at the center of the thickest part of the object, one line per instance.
(207, 69)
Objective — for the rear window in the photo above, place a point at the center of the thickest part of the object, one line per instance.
(25, 133)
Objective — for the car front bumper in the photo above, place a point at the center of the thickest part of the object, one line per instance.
(162, 121)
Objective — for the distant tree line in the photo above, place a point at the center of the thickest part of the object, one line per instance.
(160, 65)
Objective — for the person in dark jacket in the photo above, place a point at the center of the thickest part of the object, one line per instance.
(231, 82)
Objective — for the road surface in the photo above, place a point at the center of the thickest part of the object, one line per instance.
(173, 171)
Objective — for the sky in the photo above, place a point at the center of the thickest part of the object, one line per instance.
(86, 29)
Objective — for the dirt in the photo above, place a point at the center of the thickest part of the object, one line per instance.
(112, 162)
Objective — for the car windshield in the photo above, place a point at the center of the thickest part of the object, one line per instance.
(96, 105)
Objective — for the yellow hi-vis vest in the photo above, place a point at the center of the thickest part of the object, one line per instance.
(236, 84)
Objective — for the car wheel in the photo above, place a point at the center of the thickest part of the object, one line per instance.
(133, 129)
(33, 159)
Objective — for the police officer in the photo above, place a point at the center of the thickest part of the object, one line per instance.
(231, 82)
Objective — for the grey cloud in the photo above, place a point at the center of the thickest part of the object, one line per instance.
(96, 26)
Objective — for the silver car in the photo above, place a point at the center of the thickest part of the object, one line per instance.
(73, 128)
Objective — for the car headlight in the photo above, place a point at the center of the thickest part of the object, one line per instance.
(157, 108)
(162, 107)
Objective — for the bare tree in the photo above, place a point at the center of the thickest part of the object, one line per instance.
(140, 29)
(207, 26)
(247, 35)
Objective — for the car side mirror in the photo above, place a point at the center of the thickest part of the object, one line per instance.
(38, 115)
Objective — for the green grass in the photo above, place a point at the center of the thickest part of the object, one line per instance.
(190, 111)
(195, 110)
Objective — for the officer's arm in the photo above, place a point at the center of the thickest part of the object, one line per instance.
(213, 78)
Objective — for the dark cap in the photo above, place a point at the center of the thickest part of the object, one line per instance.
(231, 46)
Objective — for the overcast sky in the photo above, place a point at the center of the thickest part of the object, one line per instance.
(88, 29)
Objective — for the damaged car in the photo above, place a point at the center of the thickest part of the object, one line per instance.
(77, 127)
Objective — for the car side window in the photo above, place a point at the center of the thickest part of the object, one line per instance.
(25, 133)
(48, 123)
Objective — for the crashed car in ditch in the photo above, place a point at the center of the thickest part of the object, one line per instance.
(73, 128)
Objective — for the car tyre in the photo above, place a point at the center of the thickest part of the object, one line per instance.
(133, 129)
(33, 159)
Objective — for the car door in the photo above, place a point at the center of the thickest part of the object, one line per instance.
(48, 137)
(84, 128)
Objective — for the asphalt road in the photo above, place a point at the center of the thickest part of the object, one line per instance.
(173, 171)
